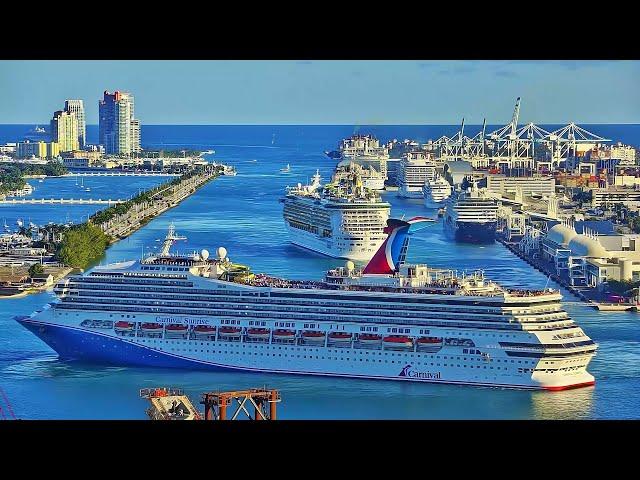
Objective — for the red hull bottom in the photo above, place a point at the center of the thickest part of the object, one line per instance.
(569, 387)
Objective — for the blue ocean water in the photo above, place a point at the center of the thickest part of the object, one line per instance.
(243, 214)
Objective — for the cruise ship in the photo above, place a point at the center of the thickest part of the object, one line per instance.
(414, 170)
(435, 191)
(471, 216)
(366, 151)
(390, 320)
(343, 219)
(371, 178)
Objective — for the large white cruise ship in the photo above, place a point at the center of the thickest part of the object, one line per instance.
(435, 191)
(343, 219)
(371, 178)
(390, 320)
(471, 216)
(414, 170)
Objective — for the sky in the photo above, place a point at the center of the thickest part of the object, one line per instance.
(329, 92)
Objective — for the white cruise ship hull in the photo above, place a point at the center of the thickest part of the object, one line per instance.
(337, 246)
(449, 366)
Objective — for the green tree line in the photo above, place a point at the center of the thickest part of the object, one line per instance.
(82, 245)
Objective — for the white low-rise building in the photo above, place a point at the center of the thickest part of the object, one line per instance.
(592, 259)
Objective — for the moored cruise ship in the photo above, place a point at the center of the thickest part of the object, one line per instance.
(341, 219)
(370, 177)
(471, 216)
(414, 170)
(435, 191)
(390, 320)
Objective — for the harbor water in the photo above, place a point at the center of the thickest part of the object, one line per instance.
(242, 213)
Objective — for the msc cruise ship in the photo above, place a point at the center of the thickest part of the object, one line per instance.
(471, 216)
(343, 219)
(414, 170)
(390, 320)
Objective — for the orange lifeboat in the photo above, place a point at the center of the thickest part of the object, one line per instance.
(204, 330)
(369, 339)
(397, 341)
(176, 329)
(284, 334)
(429, 340)
(429, 343)
(151, 327)
(340, 337)
(311, 336)
(123, 327)
(230, 331)
(258, 333)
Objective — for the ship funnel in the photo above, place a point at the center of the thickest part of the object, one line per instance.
(394, 249)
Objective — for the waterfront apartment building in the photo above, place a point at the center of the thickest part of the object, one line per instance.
(119, 131)
(29, 149)
(540, 185)
(77, 107)
(64, 130)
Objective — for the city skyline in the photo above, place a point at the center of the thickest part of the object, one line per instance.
(329, 92)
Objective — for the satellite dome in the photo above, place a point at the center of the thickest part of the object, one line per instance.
(350, 265)
(222, 253)
(204, 254)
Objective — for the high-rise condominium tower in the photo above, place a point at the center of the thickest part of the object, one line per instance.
(64, 130)
(119, 131)
(77, 107)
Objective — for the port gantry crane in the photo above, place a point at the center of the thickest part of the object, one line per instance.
(517, 146)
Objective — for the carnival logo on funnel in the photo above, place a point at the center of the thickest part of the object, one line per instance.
(408, 372)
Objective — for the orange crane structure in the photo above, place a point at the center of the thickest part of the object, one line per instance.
(168, 403)
(217, 404)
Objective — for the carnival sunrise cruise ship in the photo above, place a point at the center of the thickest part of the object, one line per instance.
(390, 320)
